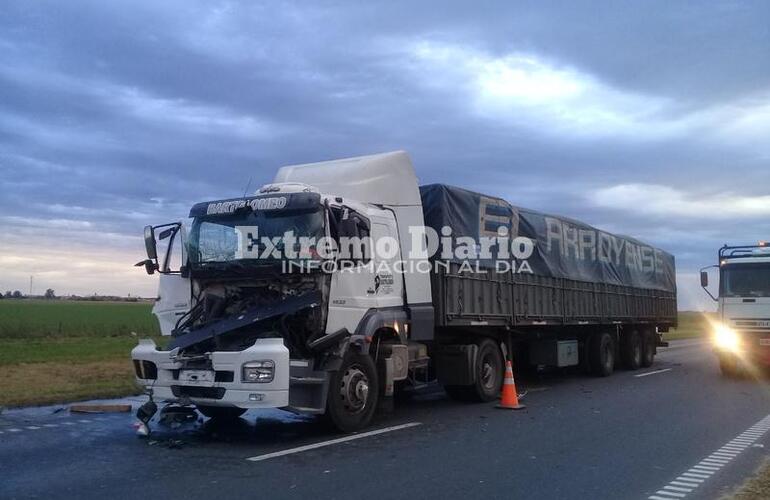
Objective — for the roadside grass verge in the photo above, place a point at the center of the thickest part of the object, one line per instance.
(54, 351)
(756, 487)
(48, 371)
(55, 382)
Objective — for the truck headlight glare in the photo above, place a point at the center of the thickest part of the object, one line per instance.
(726, 338)
(259, 372)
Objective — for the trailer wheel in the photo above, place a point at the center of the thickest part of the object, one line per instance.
(648, 348)
(353, 393)
(489, 376)
(631, 349)
(221, 412)
(489, 372)
(602, 354)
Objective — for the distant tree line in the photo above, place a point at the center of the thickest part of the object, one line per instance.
(16, 294)
(50, 294)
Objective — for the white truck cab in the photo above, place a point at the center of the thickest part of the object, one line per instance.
(302, 331)
(741, 334)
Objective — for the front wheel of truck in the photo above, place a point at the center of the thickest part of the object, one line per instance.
(352, 398)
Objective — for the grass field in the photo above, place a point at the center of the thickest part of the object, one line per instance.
(691, 325)
(57, 351)
(24, 319)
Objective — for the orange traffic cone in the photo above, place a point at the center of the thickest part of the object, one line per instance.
(510, 399)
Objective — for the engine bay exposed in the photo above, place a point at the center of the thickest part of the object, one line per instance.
(230, 315)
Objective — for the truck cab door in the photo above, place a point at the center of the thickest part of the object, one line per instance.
(174, 289)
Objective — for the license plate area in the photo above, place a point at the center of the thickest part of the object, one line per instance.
(197, 377)
(764, 342)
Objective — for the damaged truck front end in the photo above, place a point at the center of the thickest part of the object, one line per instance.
(243, 327)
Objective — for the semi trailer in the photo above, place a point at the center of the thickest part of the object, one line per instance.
(741, 332)
(344, 281)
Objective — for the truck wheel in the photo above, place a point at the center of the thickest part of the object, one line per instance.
(489, 372)
(631, 349)
(602, 354)
(352, 398)
(729, 365)
(221, 412)
(648, 348)
(489, 376)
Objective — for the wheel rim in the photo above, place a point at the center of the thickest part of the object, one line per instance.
(354, 389)
(488, 378)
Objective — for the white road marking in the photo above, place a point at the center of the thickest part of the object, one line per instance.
(714, 461)
(671, 493)
(84, 421)
(692, 486)
(13, 429)
(68, 423)
(51, 425)
(322, 444)
(662, 370)
(705, 467)
(688, 481)
(695, 475)
(33, 427)
(677, 488)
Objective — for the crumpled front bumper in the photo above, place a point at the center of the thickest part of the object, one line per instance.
(220, 386)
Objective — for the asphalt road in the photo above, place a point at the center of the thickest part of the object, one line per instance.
(626, 436)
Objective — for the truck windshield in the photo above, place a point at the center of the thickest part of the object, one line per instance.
(253, 235)
(746, 280)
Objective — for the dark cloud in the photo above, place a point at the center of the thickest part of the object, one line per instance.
(115, 115)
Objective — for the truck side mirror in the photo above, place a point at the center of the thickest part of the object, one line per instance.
(704, 279)
(149, 243)
(149, 266)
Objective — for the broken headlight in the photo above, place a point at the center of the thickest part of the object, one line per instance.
(258, 371)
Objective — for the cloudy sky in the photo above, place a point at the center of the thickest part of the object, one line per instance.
(645, 118)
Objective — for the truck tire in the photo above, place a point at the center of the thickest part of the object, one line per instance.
(221, 412)
(489, 372)
(489, 376)
(631, 349)
(353, 393)
(602, 354)
(649, 341)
